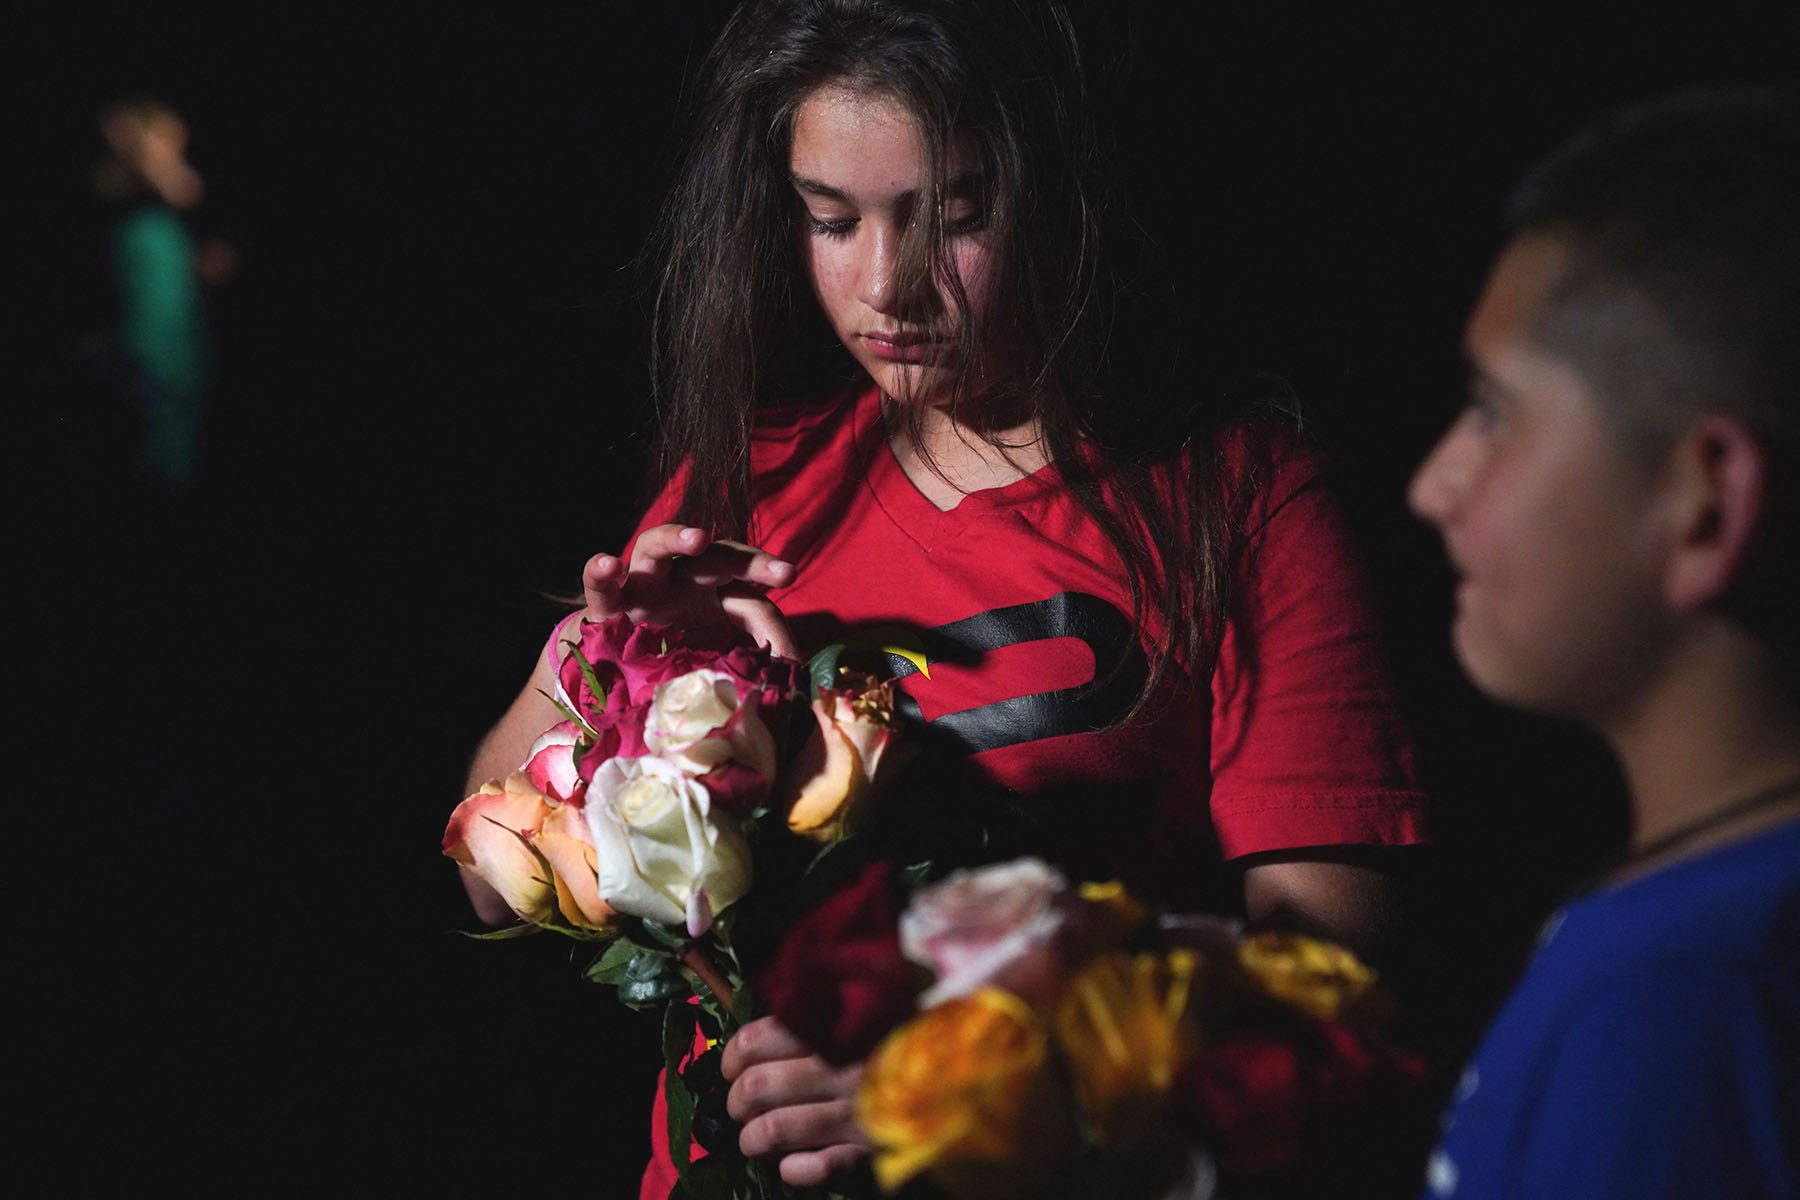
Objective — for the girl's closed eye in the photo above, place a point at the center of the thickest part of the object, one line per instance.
(965, 219)
(837, 228)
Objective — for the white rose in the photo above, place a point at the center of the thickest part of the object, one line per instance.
(994, 924)
(697, 723)
(662, 853)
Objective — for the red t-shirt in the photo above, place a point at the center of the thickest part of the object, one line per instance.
(1015, 604)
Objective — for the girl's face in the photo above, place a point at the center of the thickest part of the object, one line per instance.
(858, 166)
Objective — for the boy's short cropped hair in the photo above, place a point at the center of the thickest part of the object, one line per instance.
(1683, 293)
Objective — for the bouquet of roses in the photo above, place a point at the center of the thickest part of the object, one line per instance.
(643, 819)
(1072, 1044)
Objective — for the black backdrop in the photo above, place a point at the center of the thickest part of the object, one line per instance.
(430, 409)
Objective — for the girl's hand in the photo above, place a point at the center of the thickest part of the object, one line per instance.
(792, 1103)
(678, 575)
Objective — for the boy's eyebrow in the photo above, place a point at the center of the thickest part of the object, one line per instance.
(962, 185)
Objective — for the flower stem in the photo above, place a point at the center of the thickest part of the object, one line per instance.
(697, 960)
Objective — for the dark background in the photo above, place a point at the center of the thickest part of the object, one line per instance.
(430, 409)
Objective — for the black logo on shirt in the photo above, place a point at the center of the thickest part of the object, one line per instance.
(1119, 671)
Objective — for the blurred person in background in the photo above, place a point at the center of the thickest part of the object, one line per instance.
(159, 349)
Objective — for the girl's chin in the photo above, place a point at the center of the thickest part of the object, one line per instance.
(911, 383)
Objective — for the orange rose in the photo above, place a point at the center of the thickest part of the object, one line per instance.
(964, 1093)
(1125, 1026)
(532, 849)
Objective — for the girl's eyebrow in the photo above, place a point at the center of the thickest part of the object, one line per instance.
(963, 185)
(812, 187)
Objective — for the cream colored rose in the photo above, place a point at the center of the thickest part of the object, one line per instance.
(663, 854)
(697, 722)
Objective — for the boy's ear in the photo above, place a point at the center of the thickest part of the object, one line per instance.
(1719, 480)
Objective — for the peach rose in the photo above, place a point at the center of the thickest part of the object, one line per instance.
(531, 849)
(850, 757)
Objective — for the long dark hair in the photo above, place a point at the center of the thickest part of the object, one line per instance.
(735, 323)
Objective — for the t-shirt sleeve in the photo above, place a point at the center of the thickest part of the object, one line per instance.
(1673, 1082)
(1308, 745)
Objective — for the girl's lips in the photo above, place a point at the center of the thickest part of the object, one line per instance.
(903, 347)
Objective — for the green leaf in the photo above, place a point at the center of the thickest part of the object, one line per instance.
(708, 1179)
(672, 936)
(610, 966)
(504, 935)
(569, 714)
(587, 673)
(651, 978)
(678, 1040)
(919, 873)
(821, 669)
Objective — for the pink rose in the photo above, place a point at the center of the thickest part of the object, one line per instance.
(552, 763)
(993, 926)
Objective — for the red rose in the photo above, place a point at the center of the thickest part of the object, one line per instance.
(839, 981)
(1272, 1098)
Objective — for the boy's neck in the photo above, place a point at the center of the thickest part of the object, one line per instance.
(1715, 727)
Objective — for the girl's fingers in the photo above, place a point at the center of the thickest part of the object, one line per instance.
(789, 1083)
(759, 618)
(799, 1127)
(814, 1168)
(659, 546)
(759, 567)
(762, 1040)
(600, 582)
(731, 562)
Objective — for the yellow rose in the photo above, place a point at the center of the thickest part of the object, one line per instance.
(964, 1092)
(850, 757)
(1124, 913)
(1125, 1027)
(1321, 979)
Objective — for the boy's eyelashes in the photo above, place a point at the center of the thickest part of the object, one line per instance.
(1483, 404)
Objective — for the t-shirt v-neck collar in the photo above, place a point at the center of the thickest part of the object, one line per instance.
(910, 508)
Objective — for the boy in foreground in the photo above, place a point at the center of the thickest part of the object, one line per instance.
(1619, 502)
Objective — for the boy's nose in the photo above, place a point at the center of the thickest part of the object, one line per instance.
(1437, 484)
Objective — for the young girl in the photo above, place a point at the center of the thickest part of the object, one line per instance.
(1166, 649)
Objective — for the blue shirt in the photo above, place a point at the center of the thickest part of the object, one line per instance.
(1653, 1046)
